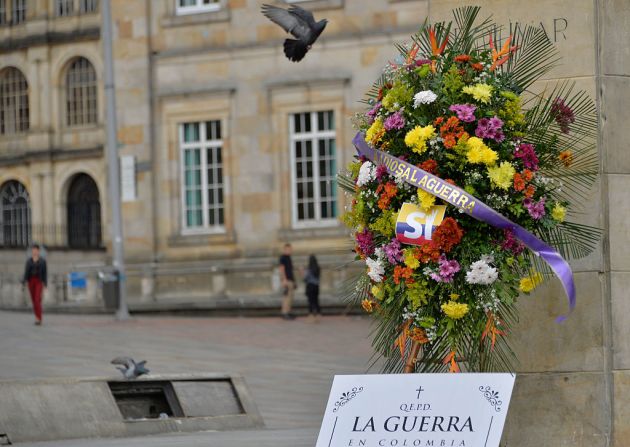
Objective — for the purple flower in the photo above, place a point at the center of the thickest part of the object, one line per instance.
(365, 242)
(490, 128)
(393, 252)
(371, 115)
(510, 243)
(381, 170)
(395, 121)
(464, 112)
(527, 154)
(447, 270)
(563, 114)
(420, 62)
(535, 209)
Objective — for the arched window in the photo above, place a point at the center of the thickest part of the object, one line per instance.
(84, 213)
(80, 93)
(13, 102)
(15, 215)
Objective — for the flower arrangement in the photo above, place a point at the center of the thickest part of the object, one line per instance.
(458, 109)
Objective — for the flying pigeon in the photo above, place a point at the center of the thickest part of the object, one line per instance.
(300, 23)
(130, 369)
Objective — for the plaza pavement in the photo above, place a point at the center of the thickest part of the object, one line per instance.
(288, 366)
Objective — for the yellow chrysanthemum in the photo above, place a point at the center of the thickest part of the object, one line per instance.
(530, 282)
(454, 296)
(501, 176)
(376, 131)
(410, 259)
(455, 310)
(478, 152)
(481, 92)
(558, 212)
(427, 200)
(417, 138)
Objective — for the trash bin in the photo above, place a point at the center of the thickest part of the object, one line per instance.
(110, 282)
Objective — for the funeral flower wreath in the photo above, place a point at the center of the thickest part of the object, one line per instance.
(466, 174)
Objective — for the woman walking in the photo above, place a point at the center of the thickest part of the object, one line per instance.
(36, 277)
(311, 277)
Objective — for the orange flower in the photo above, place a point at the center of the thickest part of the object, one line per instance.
(429, 165)
(501, 57)
(368, 305)
(477, 66)
(463, 58)
(403, 273)
(528, 175)
(451, 358)
(448, 234)
(429, 252)
(436, 48)
(566, 157)
(450, 131)
(529, 191)
(519, 182)
(491, 329)
(418, 334)
(387, 191)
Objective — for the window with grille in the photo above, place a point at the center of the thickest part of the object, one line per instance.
(13, 102)
(196, 6)
(64, 7)
(203, 202)
(313, 168)
(81, 93)
(87, 6)
(15, 215)
(18, 11)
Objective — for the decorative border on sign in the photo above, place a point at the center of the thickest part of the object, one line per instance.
(347, 397)
(492, 397)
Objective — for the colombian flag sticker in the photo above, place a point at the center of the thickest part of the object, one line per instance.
(414, 225)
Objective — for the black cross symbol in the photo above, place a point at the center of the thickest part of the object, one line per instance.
(420, 390)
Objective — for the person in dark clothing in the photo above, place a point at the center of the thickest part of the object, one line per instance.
(36, 278)
(311, 278)
(288, 282)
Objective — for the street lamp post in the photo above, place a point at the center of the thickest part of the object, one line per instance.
(113, 171)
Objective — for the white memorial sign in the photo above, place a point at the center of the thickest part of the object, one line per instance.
(128, 178)
(416, 410)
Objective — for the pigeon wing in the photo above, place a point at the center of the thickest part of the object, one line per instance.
(291, 23)
(125, 361)
(303, 14)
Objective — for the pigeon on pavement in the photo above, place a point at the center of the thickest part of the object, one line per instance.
(129, 368)
(300, 23)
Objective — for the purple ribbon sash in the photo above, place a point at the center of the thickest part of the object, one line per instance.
(473, 207)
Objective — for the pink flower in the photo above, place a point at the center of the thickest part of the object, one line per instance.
(490, 128)
(395, 121)
(563, 114)
(528, 156)
(371, 115)
(465, 112)
(393, 252)
(447, 270)
(510, 243)
(365, 242)
(535, 209)
(381, 171)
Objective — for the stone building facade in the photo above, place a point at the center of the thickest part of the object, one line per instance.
(233, 152)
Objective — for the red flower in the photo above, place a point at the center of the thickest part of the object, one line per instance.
(387, 191)
(448, 234)
(477, 66)
(463, 58)
(429, 165)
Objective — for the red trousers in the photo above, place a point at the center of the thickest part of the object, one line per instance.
(35, 287)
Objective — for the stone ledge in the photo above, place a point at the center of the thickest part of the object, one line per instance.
(221, 15)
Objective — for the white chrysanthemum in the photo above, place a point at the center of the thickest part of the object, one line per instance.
(367, 173)
(375, 270)
(481, 273)
(423, 97)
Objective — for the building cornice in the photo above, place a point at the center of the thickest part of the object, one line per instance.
(52, 154)
(49, 38)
